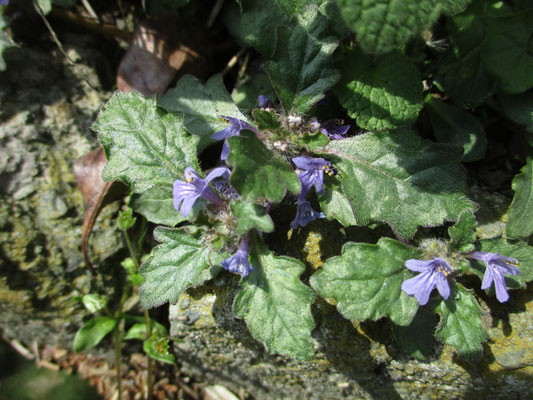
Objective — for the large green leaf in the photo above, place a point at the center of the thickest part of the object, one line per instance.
(258, 172)
(380, 92)
(145, 147)
(365, 281)
(508, 51)
(397, 178)
(157, 205)
(201, 105)
(520, 215)
(251, 216)
(518, 108)
(385, 25)
(181, 260)
(457, 126)
(92, 332)
(463, 233)
(521, 251)
(276, 305)
(300, 68)
(460, 325)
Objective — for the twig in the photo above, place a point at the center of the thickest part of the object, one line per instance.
(35, 349)
(89, 9)
(233, 60)
(23, 351)
(214, 13)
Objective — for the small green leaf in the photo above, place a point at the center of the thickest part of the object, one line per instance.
(258, 172)
(417, 337)
(145, 147)
(300, 68)
(521, 251)
(460, 325)
(157, 205)
(126, 219)
(457, 126)
(245, 93)
(380, 92)
(157, 348)
(94, 302)
(175, 265)
(138, 330)
(518, 108)
(365, 281)
(520, 214)
(394, 177)
(201, 105)
(251, 216)
(508, 51)
(266, 120)
(463, 232)
(276, 305)
(313, 141)
(92, 332)
(385, 25)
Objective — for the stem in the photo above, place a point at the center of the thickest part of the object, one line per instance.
(133, 253)
(149, 360)
(118, 357)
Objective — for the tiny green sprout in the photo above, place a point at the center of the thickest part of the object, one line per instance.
(94, 302)
(126, 219)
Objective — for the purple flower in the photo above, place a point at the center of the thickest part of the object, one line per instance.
(186, 193)
(434, 273)
(264, 102)
(305, 214)
(234, 129)
(313, 173)
(238, 263)
(334, 129)
(496, 266)
(4, 2)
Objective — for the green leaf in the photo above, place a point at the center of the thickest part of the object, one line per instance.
(126, 219)
(257, 172)
(365, 281)
(457, 126)
(276, 305)
(157, 205)
(266, 120)
(300, 68)
(5, 41)
(94, 302)
(450, 7)
(508, 51)
(201, 105)
(380, 92)
(313, 141)
(45, 5)
(144, 147)
(463, 233)
(92, 332)
(385, 25)
(245, 93)
(520, 214)
(251, 216)
(417, 337)
(521, 251)
(138, 330)
(460, 325)
(175, 265)
(518, 108)
(394, 177)
(157, 348)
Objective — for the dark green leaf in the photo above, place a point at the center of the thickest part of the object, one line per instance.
(157, 348)
(175, 265)
(380, 92)
(144, 147)
(202, 105)
(276, 305)
(460, 325)
(397, 178)
(518, 108)
(266, 120)
(92, 333)
(157, 205)
(457, 126)
(257, 172)
(417, 337)
(313, 141)
(300, 68)
(365, 281)
(245, 93)
(450, 7)
(463, 232)
(520, 214)
(251, 216)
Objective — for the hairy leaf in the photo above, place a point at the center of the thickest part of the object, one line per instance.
(181, 261)
(251, 216)
(457, 126)
(276, 305)
(92, 332)
(520, 215)
(460, 325)
(417, 337)
(157, 205)
(397, 178)
(463, 232)
(257, 171)
(380, 92)
(144, 147)
(201, 105)
(300, 68)
(245, 93)
(365, 281)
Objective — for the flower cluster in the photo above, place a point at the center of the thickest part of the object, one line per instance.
(435, 273)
